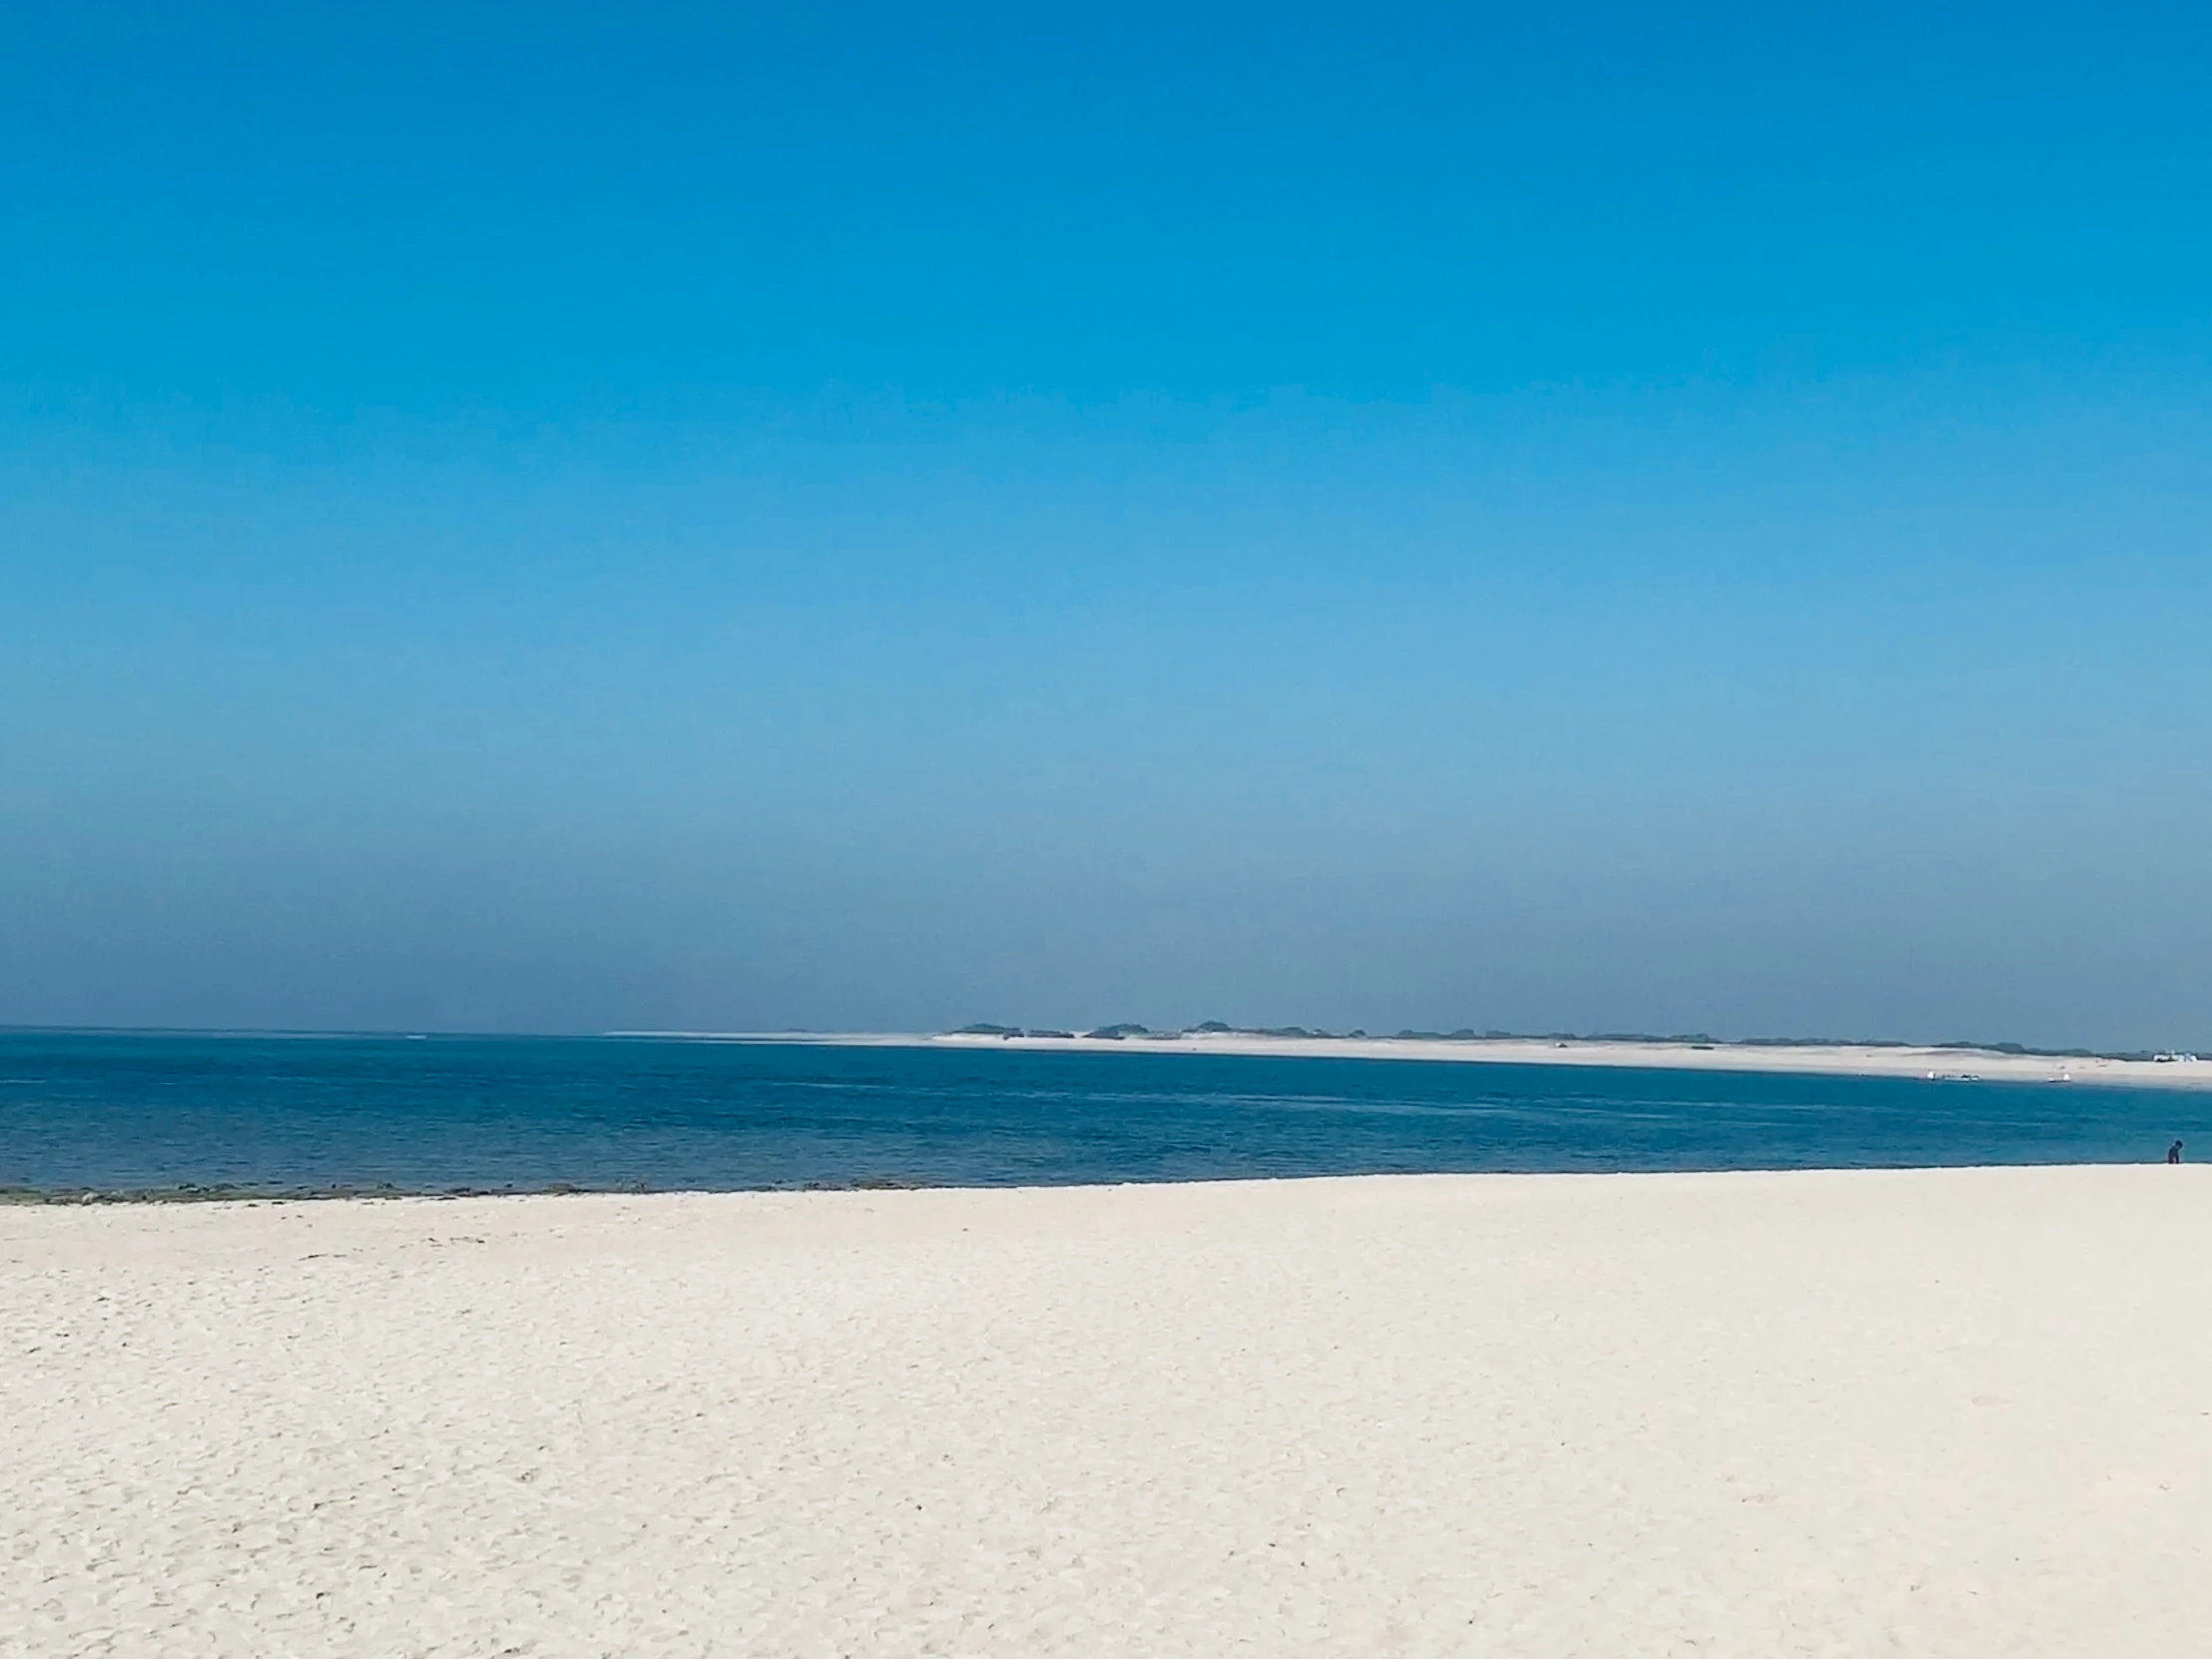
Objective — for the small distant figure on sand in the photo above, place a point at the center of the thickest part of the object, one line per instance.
(2174, 1153)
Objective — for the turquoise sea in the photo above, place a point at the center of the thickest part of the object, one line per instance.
(273, 1114)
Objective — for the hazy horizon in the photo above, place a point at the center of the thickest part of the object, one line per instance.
(1134, 1034)
(869, 521)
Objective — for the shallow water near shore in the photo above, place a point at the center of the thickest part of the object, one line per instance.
(204, 1115)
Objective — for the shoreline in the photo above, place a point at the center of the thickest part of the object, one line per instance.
(189, 1196)
(1926, 1063)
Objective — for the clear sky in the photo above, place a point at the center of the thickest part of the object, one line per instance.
(1603, 518)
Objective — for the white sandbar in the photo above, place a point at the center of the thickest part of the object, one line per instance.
(1829, 1059)
(2172, 1071)
(1960, 1412)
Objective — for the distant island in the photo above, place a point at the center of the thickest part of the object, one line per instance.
(1694, 1039)
(1948, 1062)
(1954, 1061)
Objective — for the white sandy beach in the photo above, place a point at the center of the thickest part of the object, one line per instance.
(2185, 1071)
(1832, 1059)
(1961, 1412)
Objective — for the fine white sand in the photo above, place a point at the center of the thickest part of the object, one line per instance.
(1930, 1412)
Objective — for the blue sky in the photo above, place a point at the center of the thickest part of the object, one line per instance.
(556, 519)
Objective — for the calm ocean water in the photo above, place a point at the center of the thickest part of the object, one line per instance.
(134, 1112)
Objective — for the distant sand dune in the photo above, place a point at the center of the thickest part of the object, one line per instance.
(1959, 1412)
